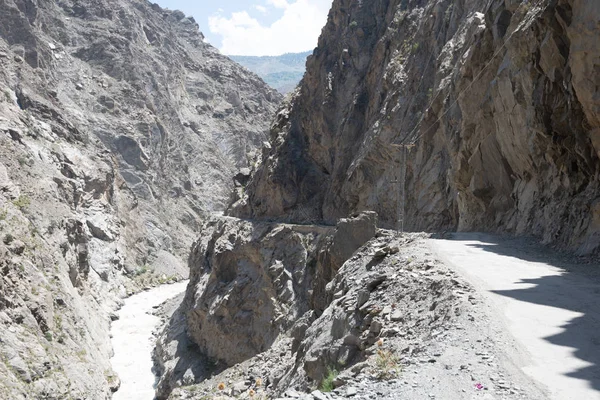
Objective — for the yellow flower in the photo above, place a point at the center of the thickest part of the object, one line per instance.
(258, 382)
(251, 393)
(221, 386)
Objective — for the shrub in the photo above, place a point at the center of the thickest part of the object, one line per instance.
(8, 239)
(387, 364)
(327, 382)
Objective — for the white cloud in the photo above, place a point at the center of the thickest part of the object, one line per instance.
(260, 8)
(278, 3)
(297, 30)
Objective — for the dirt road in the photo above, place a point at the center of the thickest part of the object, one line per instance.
(547, 304)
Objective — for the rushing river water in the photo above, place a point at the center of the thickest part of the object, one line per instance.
(133, 342)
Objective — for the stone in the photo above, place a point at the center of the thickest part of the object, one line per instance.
(318, 395)
(396, 316)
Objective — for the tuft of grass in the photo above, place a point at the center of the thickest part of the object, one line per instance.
(353, 24)
(48, 335)
(82, 355)
(388, 364)
(327, 382)
(22, 202)
(141, 271)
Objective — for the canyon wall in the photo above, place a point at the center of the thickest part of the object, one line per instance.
(497, 100)
(120, 130)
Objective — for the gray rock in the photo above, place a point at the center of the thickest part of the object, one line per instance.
(470, 166)
(318, 395)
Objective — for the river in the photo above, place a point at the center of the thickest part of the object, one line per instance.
(133, 341)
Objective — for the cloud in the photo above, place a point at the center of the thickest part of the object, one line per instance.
(297, 30)
(260, 8)
(278, 3)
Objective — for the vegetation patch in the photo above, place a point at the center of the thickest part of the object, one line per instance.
(22, 202)
(327, 382)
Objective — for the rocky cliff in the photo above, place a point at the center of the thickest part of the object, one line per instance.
(120, 130)
(439, 114)
(497, 100)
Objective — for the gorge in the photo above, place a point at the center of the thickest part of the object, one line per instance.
(124, 137)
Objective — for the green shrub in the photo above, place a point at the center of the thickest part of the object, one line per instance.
(327, 382)
(8, 239)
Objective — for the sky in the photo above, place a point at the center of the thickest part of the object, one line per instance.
(257, 27)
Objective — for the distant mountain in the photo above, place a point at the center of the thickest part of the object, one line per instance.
(280, 72)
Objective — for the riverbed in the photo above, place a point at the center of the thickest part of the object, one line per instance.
(133, 341)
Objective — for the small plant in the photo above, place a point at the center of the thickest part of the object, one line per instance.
(3, 215)
(387, 364)
(415, 47)
(81, 354)
(22, 202)
(8, 239)
(110, 377)
(48, 336)
(141, 271)
(23, 161)
(353, 24)
(327, 382)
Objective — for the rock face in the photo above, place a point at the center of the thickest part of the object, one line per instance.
(440, 114)
(387, 308)
(499, 99)
(120, 130)
(250, 282)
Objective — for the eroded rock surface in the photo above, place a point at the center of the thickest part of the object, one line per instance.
(500, 99)
(120, 130)
(250, 282)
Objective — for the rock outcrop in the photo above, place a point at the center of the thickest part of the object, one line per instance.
(499, 99)
(251, 282)
(120, 130)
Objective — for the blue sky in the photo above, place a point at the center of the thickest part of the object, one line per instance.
(257, 27)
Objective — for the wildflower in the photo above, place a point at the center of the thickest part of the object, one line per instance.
(478, 386)
(258, 382)
(221, 386)
(251, 393)
(380, 342)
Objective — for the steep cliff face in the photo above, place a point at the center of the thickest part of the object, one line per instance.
(499, 99)
(120, 130)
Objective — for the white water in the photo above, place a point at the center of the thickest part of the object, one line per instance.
(133, 342)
